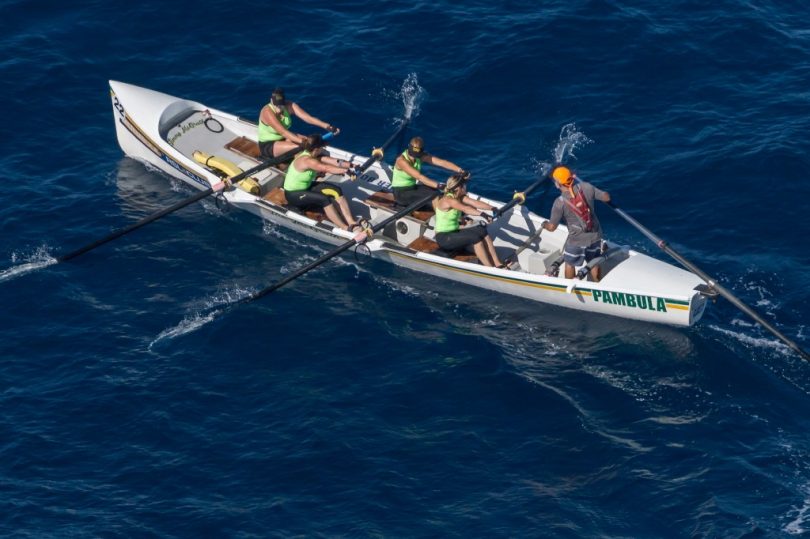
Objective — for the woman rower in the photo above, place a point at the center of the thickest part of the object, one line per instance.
(450, 236)
(302, 191)
(408, 182)
(275, 120)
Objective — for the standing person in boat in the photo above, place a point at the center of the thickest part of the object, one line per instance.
(275, 120)
(449, 234)
(302, 191)
(408, 182)
(576, 205)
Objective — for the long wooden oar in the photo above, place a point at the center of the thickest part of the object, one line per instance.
(710, 281)
(337, 250)
(182, 204)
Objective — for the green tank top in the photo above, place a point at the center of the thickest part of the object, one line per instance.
(268, 133)
(402, 178)
(298, 181)
(447, 220)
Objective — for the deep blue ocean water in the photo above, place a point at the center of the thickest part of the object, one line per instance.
(363, 400)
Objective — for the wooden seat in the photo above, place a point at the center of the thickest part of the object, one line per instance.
(244, 146)
(381, 199)
(277, 197)
(384, 200)
(426, 245)
(423, 244)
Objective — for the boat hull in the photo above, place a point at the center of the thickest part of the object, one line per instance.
(141, 119)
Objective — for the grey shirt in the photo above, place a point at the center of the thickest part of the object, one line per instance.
(577, 237)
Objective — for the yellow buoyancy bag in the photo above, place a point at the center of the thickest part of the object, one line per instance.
(228, 170)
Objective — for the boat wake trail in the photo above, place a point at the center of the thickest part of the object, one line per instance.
(212, 308)
(749, 341)
(801, 519)
(40, 259)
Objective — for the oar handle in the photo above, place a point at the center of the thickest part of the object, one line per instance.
(664, 246)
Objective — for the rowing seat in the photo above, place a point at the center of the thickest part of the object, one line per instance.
(427, 245)
(244, 146)
(277, 197)
(386, 201)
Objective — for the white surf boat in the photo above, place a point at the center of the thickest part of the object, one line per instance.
(198, 144)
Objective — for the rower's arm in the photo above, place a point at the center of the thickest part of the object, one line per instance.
(403, 164)
(554, 219)
(310, 119)
(604, 196)
(477, 203)
(443, 163)
(269, 118)
(466, 208)
(316, 165)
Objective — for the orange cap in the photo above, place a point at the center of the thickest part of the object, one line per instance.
(563, 175)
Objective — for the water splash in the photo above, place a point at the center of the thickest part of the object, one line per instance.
(187, 325)
(798, 526)
(570, 139)
(212, 307)
(41, 258)
(749, 341)
(412, 96)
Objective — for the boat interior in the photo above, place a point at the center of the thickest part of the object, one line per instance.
(227, 146)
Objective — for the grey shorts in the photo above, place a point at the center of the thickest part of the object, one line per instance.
(576, 256)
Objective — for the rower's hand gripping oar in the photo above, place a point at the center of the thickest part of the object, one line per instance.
(216, 188)
(664, 246)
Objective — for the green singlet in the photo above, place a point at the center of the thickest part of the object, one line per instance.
(298, 181)
(268, 133)
(447, 220)
(402, 178)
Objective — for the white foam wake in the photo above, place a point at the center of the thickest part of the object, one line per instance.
(759, 342)
(212, 307)
(40, 259)
(797, 526)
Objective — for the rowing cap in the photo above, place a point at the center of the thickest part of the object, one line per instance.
(562, 175)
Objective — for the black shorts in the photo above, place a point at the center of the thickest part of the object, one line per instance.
(319, 195)
(405, 196)
(466, 237)
(266, 148)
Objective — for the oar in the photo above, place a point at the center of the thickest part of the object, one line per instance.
(378, 153)
(519, 197)
(710, 281)
(525, 245)
(182, 204)
(336, 251)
